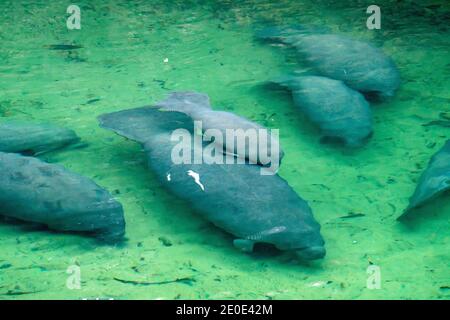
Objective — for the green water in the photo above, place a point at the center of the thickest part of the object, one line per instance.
(209, 47)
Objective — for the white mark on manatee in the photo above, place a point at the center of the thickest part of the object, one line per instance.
(265, 233)
(196, 177)
(168, 177)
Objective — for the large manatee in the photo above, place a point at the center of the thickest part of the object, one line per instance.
(360, 65)
(198, 107)
(34, 191)
(235, 197)
(33, 138)
(340, 112)
(433, 181)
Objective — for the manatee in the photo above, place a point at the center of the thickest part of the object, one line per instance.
(35, 191)
(360, 65)
(198, 107)
(434, 180)
(252, 207)
(34, 139)
(338, 111)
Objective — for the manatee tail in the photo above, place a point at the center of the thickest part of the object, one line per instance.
(186, 102)
(141, 124)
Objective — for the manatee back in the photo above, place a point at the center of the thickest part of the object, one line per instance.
(337, 110)
(33, 138)
(234, 197)
(360, 65)
(238, 199)
(35, 191)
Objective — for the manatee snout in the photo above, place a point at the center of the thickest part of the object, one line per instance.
(310, 243)
(305, 241)
(359, 141)
(311, 253)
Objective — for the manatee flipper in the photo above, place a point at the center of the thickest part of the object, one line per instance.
(434, 180)
(244, 245)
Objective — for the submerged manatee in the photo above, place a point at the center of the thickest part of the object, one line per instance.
(360, 65)
(197, 106)
(33, 139)
(434, 180)
(340, 112)
(234, 197)
(35, 191)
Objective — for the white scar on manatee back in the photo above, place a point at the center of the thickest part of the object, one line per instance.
(196, 177)
(191, 173)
